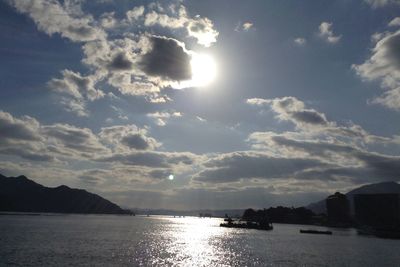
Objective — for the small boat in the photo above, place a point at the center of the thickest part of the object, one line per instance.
(315, 232)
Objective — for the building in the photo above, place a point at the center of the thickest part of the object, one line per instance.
(377, 210)
(338, 209)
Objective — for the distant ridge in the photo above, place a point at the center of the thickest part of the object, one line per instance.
(19, 194)
(378, 188)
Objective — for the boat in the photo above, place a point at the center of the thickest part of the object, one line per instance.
(315, 232)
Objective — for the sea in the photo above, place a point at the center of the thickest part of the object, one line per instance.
(112, 240)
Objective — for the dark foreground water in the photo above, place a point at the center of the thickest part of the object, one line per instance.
(76, 240)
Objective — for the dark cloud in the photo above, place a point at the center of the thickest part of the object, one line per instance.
(160, 173)
(24, 153)
(136, 141)
(149, 159)
(120, 62)
(241, 165)
(11, 128)
(292, 109)
(341, 160)
(68, 136)
(168, 59)
(309, 116)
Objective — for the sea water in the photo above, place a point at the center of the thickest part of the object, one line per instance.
(109, 240)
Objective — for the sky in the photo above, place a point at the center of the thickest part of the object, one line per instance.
(201, 104)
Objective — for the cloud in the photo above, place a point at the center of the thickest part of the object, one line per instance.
(381, 3)
(384, 65)
(121, 52)
(168, 59)
(66, 19)
(135, 13)
(65, 136)
(232, 167)
(18, 129)
(292, 109)
(107, 20)
(123, 138)
(326, 33)
(300, 41)
(312, 123)
(120, 62)
(75, 90)
(246, 26)
(161, 118)
(394, 22)
(150, 159)
(200, 28)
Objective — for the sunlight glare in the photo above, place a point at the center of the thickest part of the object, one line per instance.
(204, 69)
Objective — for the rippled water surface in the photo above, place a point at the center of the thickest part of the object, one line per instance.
(72, 240)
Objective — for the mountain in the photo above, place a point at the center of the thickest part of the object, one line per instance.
(378, 188)
(20, 194)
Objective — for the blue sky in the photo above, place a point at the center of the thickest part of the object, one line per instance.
(100, 95)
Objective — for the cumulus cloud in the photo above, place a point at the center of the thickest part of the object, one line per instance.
(168, 59)
(246, 26)
(326, 33)
(292, 109)
(107, 20)
(312, 123)
(70, 137)
(122, 138)
(27, 138)
(117, 51)
(67, 19)
(200, 28)
(384, 65)
(18, 129)
(75, 89)
(135, 13)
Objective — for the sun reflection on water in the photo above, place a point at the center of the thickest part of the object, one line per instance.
(194, 243)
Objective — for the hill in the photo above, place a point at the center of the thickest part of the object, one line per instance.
(19, 194)
(378, 188)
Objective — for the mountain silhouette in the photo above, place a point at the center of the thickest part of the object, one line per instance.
(19, 194)
(378, 188)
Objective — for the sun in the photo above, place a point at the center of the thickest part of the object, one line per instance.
(204, 69)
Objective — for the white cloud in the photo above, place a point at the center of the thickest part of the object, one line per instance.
(300, 41)
(326, 33)
(314, 124)
(135, 13)
(161, 118)
(383, 65)
(66, 19)
(395, 22)
(381, 3)
(246, 26)
(198, 27)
